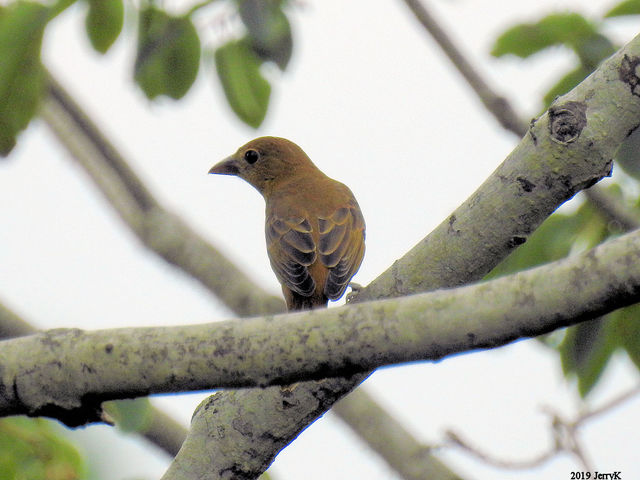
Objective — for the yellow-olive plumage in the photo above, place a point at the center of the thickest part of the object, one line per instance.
(314, 226)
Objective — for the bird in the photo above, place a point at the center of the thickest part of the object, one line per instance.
(314, 227)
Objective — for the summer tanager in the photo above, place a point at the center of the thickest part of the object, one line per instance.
(314, 226)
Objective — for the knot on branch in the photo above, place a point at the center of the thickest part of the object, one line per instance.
(567, 121)
(628, 72)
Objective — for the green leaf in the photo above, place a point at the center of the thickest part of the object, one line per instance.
(22, 77)
(556, 29)
(628, 154)
(104, 23)
(565, 84)
(585, 352)
(628, 7)
(559, 235)
(268, 29)
(551, 241)
(593, 49)
(32, 449)
(247, 91)
(168, 55)
(626, 322)
(130, 415)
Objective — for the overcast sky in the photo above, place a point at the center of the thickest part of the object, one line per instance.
(376, 105)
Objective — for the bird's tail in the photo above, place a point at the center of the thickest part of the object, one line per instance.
(298, 302)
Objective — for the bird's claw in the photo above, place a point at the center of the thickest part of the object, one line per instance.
(355, 289)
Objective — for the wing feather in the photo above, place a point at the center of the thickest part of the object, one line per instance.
(343, 242)
(291, 251)
(292, 248)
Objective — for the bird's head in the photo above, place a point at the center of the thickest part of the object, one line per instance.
(265, 162)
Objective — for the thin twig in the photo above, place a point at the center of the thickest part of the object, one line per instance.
(566, 439)
(498, 105)
(613, 209)
(607, 407)
(564, 434)
(456, 440)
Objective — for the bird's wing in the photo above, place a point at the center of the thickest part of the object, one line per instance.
(291, 251)
(341, 247)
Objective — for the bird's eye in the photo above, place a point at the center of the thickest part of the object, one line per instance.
(251, 156)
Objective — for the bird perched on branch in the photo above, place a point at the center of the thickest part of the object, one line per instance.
(314, 226)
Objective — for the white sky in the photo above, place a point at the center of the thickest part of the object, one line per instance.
(377, 106)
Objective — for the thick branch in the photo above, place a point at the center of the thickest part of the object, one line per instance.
(78, 369)
(465, 275)
(163, 431)
(502, 110)
(568, 148)
(537, 177)
(229, 437)
(135, 204)
(156, 227)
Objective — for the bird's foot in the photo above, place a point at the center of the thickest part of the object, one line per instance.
(355, 289)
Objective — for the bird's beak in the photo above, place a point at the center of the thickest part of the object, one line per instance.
(228, 166)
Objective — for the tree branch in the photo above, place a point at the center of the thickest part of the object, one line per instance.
(69, 372)
(135, 204)
(502, 110)
(536, 178)
(400, 449)
(230, 438)
(568, 148)
(613, 209)
(12, 325)
(163, 430)
(402, 279)
(498, 105)
(156, 227)
(565, 438)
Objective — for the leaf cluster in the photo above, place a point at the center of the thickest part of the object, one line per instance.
(584, 37)
(168, 56)
(586, 349)
(34, 448)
